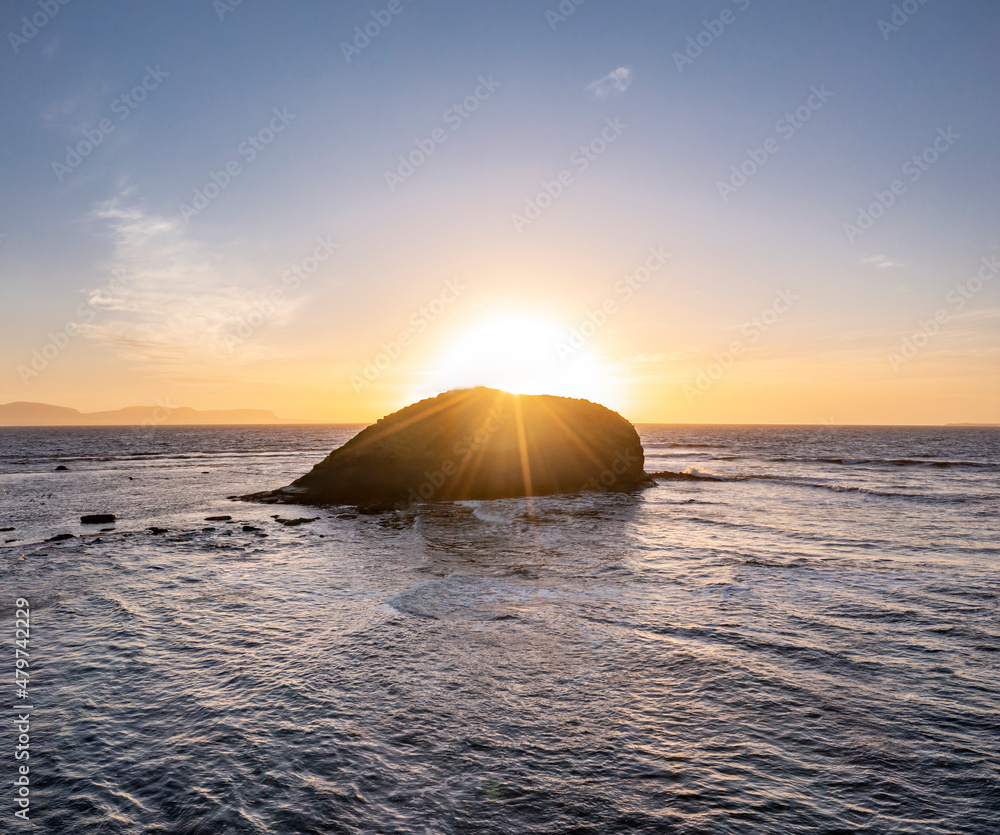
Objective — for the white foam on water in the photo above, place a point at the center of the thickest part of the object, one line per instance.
(705, 474)
(486, 512)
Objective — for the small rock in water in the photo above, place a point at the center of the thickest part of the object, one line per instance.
(61, 467)
(293, 522)
(106, 530)
(250, 528)
(218, 518)
(156, 530)
(6, 529)
(207, 530)
(97, 518)
(9, 540)
(60, 537)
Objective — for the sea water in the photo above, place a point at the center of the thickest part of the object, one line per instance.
(796, 630)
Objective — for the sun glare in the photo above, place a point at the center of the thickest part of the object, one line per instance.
(522, 354)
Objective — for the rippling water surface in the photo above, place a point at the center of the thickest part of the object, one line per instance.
(795, 631)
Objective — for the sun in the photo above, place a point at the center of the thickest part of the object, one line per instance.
(522, 354)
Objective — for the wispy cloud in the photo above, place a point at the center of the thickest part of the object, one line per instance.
(881, 261)
(614, 83)
(66, 113)
(174, 303)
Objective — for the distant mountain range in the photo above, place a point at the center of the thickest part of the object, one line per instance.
(43, 414)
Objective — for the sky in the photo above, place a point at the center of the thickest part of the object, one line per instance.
(735, 211)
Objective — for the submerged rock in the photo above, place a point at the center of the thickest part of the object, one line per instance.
(291, 523)
(476, 443)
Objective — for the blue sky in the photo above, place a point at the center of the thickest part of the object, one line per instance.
(167, 332)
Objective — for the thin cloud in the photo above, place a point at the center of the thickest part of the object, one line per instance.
(70, 114)
(881, 261)
(171, 302)
(614, 83)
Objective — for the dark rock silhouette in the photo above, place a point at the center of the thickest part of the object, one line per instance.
(97, 518)
(476, 443)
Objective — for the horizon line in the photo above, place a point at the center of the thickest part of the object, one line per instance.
(296, 422)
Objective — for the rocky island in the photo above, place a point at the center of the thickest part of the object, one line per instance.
(478, 443)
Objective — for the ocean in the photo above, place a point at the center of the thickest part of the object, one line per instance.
(796, 630)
